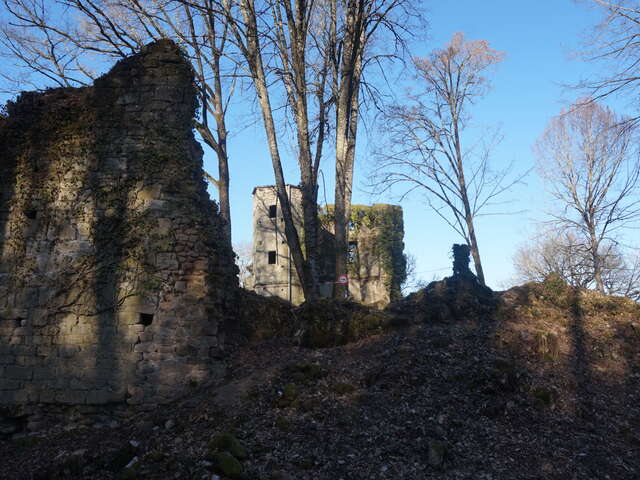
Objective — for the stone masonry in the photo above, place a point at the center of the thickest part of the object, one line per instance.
(272, 266)
(377, 265)
(114, 278)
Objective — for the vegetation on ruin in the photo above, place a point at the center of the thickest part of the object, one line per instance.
(381, 229)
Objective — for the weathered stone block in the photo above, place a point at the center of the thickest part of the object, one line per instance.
(7, 359)
(43, 373)
(71, 397)
(13, 396)
(18, 372)
(144, 347)
(68, 351)
(100, 397)
(9, 384)
(46, 350)
(28, 361)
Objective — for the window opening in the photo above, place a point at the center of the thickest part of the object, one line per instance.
(272, 211)
(272, 257)
(145, 319)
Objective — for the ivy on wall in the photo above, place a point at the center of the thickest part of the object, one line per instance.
(383, 228)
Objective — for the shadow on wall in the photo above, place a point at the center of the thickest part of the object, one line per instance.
(116, 268)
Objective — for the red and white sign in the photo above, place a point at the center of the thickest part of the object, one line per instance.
(343, 279)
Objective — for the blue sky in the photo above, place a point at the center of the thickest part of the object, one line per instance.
(538, 39)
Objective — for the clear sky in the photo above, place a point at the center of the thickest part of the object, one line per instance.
(538, 39)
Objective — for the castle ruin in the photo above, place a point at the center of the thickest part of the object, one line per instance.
(377, 265)
(114, 276)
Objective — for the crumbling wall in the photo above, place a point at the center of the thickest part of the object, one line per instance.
(114, 278)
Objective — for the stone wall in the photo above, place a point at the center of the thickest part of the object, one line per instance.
(113, 276)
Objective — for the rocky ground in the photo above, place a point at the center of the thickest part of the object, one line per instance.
(539, 382)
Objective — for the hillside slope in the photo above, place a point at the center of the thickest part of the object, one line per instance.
(542, 384)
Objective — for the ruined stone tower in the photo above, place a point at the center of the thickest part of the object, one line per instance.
(377, 265)
(114, 279)
(273, 270)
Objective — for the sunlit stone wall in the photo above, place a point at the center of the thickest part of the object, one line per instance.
(114, 278)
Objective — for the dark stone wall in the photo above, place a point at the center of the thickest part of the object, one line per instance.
(114, 278)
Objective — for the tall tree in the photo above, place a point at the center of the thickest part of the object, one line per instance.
(586, 158)
(60, 42)
(352, 33)
(426, 147)
(316, 52)
(283, 25)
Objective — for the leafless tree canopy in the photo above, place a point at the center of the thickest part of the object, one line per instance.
(615, 45)
(587, 160)
(427, 148)
(564, 253)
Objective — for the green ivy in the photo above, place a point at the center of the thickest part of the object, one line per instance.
(387, 222)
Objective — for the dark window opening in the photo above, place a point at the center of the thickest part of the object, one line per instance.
(352, 253)
(31, 214)
(273, 210)
(145, 319)
(272, 257)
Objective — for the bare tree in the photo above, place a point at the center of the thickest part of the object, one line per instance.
(244, 258)
(350, 47)
(585, 157)
(567, 255)
(314, 52)
(624, 278)
(556, 252)
(426, 149)
(273, 38)
(64, 49)
(413, 281)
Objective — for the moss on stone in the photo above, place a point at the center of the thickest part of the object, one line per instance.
(229, 443)
(342, 388)
(289, 396)
(283, 423)
(385, 222)
(227, 465)
(328, 323)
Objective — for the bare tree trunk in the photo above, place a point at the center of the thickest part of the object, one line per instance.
(296, 21)
(253, 55)
(464, 195)
(475, 250)
(594, 248)
(346, 130)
